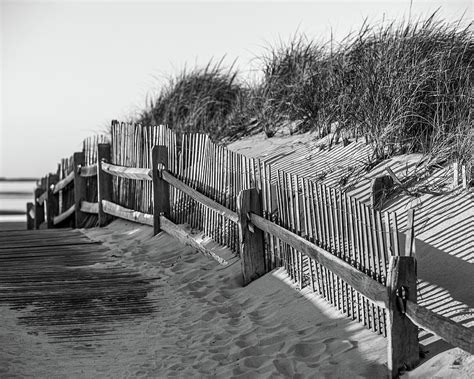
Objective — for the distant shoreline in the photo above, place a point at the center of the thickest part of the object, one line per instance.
(4, 179)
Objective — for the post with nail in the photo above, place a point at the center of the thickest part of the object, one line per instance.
(252, 252)
(403, 347)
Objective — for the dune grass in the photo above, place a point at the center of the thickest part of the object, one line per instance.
(405, 87)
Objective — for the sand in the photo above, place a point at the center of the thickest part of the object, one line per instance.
(208, 325)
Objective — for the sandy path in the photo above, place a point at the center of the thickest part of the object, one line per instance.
(207, 325)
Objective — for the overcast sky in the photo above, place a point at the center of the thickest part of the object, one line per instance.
(68, 68)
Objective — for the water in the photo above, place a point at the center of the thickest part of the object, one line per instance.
(13, 198)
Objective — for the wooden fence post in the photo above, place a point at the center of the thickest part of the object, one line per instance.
(410, 234)
(104, 182)
(79, 189)
(402, 334)
(30, 221)
(39, 209)
(161, 188)
(252, 252)
(52, 204)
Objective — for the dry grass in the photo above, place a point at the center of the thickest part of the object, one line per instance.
(405, 87)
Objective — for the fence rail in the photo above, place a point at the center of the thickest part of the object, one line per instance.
(346, 251)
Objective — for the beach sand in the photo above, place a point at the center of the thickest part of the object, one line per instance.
(208, 325)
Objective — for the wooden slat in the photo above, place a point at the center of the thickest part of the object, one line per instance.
(127, 214)
(218, 208)
(452, 332)
(64, 215)
(64, 182)
(42, 198)
(136, 173)
(88, 207)
(368, 287)
(88, 171)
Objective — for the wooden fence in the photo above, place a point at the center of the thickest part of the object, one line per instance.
(344, 250)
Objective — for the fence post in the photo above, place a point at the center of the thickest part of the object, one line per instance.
(52, 201)
(161, 189)
(30, 221)
(39, 209)
(252, 253)
(104, 182)
(410, 234)
(403, 348)
(79, 189)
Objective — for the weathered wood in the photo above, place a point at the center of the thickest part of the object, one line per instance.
(215, 206)
(88, 207)
(393, 176)
(127, 214)
(42, 196)
(136, 173)
(183, 236)
(104, 182)
(364, 284)
(451, 331)
(30, 216)
(161, 188)
(39, 208)
(252, 253)
(402, 348)
(410, 234)
(63, 183)
(80, 187)
(51, 201)
(88, 171)
(63, 216)
(380, 187)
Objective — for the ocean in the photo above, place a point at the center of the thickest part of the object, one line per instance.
(14, 194)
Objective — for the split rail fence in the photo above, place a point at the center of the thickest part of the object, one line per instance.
(346, 251)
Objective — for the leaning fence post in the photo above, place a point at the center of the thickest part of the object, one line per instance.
(79, 189)
(403, 348)
(39, 209)
(161, 188)
(252, 252)
(30, 221)
(104, 182)
(52, 200)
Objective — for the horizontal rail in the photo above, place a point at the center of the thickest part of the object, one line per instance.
(449, 330)
(127, 214)
(215, 206)
(42, 198)
(88, 207)
(136, 173)
(87, 171)
(361, 282)
(64, 215)
(63, 183)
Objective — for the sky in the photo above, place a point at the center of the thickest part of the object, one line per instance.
(68, 68)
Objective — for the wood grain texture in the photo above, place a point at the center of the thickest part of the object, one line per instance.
(63, 183)
(252, 253)
(215, 206)
(127, 214)
(88, 171)
(80, 188)
(161, 189)
(402, 347)
(104, 182)
(136, 173)
(63, 216)
(451, 331)
(368, 287)
(51, 201)
(87, 207)
(39, 208)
